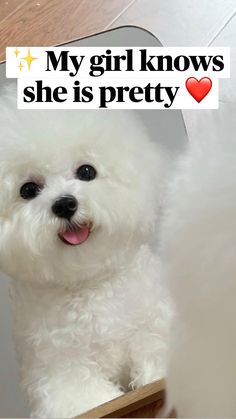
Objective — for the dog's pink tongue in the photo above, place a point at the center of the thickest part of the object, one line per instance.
(75, 237)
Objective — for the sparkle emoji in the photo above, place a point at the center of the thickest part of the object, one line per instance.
(20, 66)
(16, 52)
(29, 59)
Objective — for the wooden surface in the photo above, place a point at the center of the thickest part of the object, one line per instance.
(141, 403)
(53, 22)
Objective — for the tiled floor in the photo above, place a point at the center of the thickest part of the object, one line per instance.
(180, 22)
(174, 22)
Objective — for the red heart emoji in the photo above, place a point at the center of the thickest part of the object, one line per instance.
(198, 89)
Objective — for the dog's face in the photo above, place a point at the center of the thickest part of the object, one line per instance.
(80, 192)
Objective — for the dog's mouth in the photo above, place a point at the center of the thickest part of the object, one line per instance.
(75, 235)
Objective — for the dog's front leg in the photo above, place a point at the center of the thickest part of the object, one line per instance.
(69, 391)
(60, 372)
(148, 351)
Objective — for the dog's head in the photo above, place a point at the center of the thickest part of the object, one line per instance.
(80, 192)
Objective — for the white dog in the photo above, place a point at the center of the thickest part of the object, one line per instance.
(80, 192)
(200, 264)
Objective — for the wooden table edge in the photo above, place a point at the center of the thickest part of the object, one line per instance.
(130, 402)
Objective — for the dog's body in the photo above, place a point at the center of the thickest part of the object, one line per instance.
(78, 206)
(77, 348)
(200, 267)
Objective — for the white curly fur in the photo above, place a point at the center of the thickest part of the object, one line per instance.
(199, 253)
(90, 320)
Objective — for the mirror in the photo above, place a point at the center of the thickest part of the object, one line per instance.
(112, 339)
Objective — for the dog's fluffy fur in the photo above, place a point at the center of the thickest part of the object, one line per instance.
(200, 267)
(90, 320)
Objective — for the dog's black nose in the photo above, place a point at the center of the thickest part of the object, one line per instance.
(65, 207)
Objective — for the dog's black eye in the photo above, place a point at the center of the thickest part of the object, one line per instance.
(29, 190)
(86, 173)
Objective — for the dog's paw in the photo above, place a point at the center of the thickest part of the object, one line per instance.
(65, 407)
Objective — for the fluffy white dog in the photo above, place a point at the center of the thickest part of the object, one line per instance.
(80, 192)
(200, 264)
